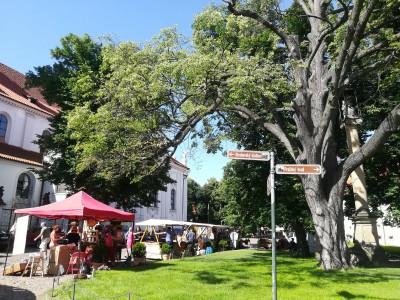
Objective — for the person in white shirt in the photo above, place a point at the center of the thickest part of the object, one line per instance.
(234, 238)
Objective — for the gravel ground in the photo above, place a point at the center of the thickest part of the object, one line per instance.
(15, 287)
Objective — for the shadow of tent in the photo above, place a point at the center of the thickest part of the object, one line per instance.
(15, 293)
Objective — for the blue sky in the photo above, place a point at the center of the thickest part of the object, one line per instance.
(31, 28)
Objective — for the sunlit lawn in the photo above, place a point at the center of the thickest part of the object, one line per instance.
(242, 274)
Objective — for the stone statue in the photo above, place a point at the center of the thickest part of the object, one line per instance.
(1, 195)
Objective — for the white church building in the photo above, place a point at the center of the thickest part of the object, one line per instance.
(24, 115)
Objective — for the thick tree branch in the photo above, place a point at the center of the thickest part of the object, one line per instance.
(343, 52)
(356, 39)
(257, 17)
(304, 6)
(365, 70)
(378, 47)
(275, 129)
(327, 31)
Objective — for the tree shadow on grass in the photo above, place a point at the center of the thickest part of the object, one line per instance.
(210, 278)
(347, 295)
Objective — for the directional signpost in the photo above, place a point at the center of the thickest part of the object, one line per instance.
(298, 169)
(280, 169)
(249, 155)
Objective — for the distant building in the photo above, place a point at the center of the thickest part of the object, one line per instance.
(24, 115)
(172, 203)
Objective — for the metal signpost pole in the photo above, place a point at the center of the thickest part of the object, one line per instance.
(263, 156)
(272, 184)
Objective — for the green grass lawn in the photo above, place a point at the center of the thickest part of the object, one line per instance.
(241, 274)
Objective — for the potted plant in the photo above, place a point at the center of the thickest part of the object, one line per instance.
(99, 252)
(166, 250)
(222, 244)
(139, 253)
(209, 247)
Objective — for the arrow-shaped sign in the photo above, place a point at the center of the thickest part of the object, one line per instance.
(298, 169)
(248, 155)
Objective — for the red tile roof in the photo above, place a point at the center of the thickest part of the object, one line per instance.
(12, 86)
(21, 155)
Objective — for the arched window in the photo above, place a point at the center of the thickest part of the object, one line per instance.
(173, 194)
(23, 186)
(45, 132)
(3, 127)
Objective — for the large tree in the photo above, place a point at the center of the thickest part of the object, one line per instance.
(251, 60)
(75, 80)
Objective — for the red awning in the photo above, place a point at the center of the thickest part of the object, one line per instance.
(79, 206)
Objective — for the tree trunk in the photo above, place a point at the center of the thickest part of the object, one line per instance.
(328, 220)
(303, 250)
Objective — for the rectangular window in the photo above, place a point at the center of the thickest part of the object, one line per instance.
(173, 193)
(154, 198)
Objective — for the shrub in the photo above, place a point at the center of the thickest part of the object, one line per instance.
(222, 244)
(139, 250)
(166, 249)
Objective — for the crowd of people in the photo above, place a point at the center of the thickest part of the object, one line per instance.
(191, 239)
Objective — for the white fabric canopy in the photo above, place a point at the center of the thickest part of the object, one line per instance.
(165, 222)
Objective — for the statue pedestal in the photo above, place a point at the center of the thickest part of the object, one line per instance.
(365, 228)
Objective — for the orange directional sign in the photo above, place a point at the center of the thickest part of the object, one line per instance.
(248, 155)
(298, 169)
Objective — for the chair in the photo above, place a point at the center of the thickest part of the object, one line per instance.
(35, 265)
(75, 262)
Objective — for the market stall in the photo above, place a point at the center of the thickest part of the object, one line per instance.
(80, 207)
(152, 228)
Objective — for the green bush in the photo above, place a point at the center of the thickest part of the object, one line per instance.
(166, 249)
(139, 250)
(222, 244)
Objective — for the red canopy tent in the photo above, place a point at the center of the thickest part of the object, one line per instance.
(79, 206)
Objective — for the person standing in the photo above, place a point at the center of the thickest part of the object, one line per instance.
(53, 236)
(45, 239)
(109, 241)
(234, 238)
(130, 241)
(190, 236)
(73, 236)
(169, 235)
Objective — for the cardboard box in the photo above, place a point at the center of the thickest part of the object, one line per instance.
(60, 255)
(15, 268)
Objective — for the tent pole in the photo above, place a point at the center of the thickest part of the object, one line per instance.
(9, 241)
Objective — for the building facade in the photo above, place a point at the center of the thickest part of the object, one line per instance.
(172, 203)
(24, 115)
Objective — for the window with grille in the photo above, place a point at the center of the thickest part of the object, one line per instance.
(3, 127)
(173, 194)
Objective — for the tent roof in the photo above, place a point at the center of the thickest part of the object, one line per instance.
(79, 206)
(165, 222)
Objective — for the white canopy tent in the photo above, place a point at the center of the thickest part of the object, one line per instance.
(165, 222)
